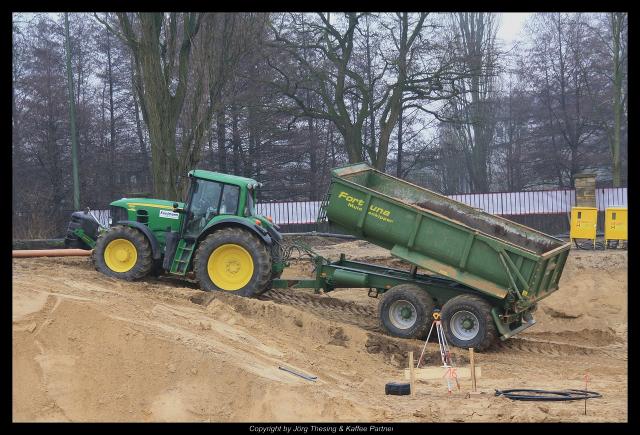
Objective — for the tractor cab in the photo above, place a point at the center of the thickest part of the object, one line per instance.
(213, 197)
(214, 202)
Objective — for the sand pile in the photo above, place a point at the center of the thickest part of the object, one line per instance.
(90, 348)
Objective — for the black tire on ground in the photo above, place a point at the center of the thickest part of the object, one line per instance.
(144, 261)
(397, 388)
(260, 280)
(467, 322)
(406, 311)
(276, 257)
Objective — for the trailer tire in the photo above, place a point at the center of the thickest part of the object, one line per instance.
(242, 262)
(123, 248)
(467, 322)
(405, 310)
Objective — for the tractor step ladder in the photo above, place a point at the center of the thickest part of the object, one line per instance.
(183, 256)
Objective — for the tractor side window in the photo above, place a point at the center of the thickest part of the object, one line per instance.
(230, 196)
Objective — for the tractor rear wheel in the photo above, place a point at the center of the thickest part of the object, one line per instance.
(233, 260)
(405, 311)
(467, 322)
(123, 252)
(276, 257)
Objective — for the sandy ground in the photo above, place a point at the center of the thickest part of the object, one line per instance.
(90, 348)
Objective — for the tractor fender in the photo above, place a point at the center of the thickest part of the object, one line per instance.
(262, 233)
(155, 247)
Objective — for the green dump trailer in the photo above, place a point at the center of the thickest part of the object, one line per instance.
(484, 273)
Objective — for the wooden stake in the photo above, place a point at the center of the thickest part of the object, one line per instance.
(412, 375)
(473, 369)
(586, 387)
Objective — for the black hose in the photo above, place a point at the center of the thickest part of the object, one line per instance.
(547, 395)
(316, 234)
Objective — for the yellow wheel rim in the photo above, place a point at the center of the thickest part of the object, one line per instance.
(120, 255)
(230, 267)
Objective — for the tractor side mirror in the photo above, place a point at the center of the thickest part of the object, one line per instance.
(177, 209)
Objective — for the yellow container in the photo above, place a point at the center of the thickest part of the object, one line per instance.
(615, 223)
(583, 223)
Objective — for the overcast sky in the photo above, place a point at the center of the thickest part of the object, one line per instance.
(511, 24)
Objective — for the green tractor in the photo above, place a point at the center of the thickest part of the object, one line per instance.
(216, 234)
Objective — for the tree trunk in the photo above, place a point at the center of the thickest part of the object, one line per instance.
(164, 165)
(220, 129)
(144, 167)
(253, 137)
(353, 143)
(399, 165)
(161, 104)
(112, 120)
(313, 166)
(616, 30)
(372, 122)
(235, 139)
(477, 46)
(72, 119)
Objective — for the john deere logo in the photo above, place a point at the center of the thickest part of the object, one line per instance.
(374, 210)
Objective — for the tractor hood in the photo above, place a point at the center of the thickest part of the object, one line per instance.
(156, 214)
(146, 203)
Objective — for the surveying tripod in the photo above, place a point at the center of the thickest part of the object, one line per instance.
(445, 354)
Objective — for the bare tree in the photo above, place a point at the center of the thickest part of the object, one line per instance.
(162, 56)
(166, 73)
(72, 117)
(474, 108)
(617, 26)
(558, 68)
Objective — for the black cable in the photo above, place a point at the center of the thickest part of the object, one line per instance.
(548, 395)
(588, 246)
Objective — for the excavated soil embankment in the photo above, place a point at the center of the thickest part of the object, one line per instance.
(90, 348)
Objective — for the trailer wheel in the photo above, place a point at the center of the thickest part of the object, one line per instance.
(233, 260)
(467, 322)
(405, 310)
(123, 252)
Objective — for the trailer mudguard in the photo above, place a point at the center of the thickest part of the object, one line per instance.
(259, 231)
(155, 246)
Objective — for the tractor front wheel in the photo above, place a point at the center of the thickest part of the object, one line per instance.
(233, 260)
(123, 252)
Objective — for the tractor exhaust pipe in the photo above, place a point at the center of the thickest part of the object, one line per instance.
(31, 253)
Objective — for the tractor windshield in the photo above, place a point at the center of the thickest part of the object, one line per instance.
(249, 208)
